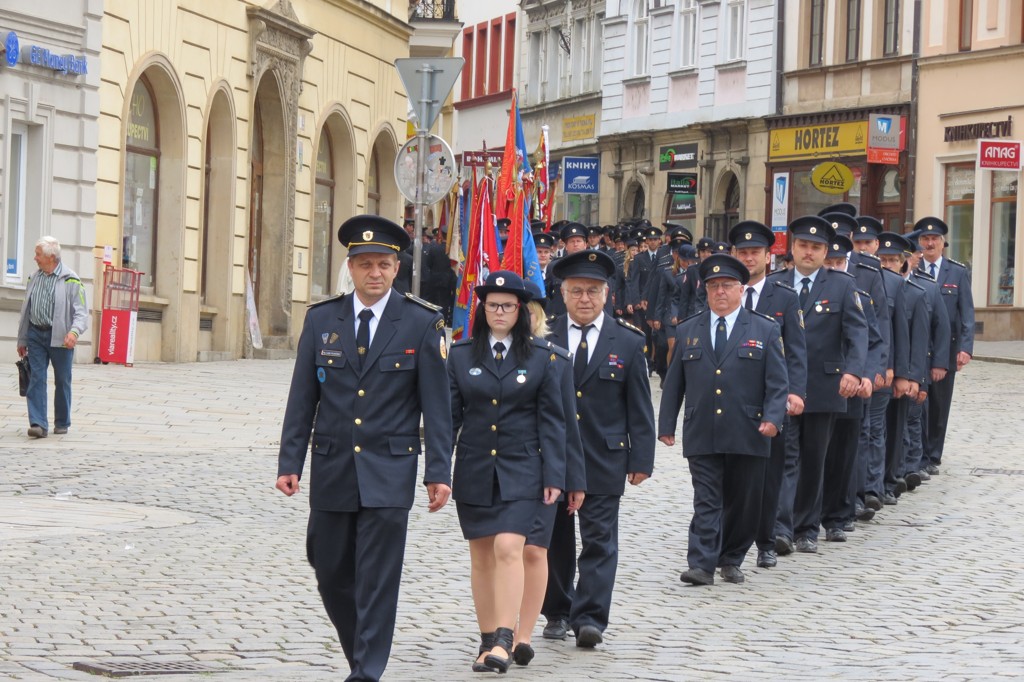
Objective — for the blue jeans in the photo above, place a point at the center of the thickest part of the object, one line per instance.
(40, 355)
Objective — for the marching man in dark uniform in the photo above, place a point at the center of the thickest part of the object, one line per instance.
(616, 421)
(729, 364)
(368, 367)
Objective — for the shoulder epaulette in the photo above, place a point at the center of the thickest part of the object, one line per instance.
(462, 342)
(627, 325)
(923, 274)
(326, 300)
(425, 304)
(779, 283)
(868, 267)
(541, 342)
(767, 317)
(845, 273)
(865, 254)
(914, 284)
(955, 262)
(863, 293)
(696, 314)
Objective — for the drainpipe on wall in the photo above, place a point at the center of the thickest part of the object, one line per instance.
(915, 85)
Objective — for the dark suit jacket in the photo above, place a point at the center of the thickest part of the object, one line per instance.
(837, 337)
(508, 421)
(915, 308)
(726, 400)
(639, 276)
(867, 271)
(899, 325)
(955, 287)
(616, 417)
(779, 302)
(575, 460)
(693, 298)
(938, 321)
(366, 423)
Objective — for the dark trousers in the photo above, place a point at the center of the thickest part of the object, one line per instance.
(895, 426)
(660, 340)
(940, 398)
(841, 465)
(589, 601)
(772, 490)
(726, 501)
(872, 443)
(813, 432)
(357, 557)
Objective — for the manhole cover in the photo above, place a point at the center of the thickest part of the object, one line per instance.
(133, 668)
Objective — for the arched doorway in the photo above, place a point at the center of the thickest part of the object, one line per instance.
(382, 161)
(726, 213)
(634, 206)
(215, 279)
(334, 201)
(269, 260)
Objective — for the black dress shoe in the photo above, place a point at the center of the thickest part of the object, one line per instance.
(901, 486)
(925, 476)
(523, 654)
(783, 545)
(872, 502)
(913, 480)
(849, 527)
(888, 498)
(864, 514)
(932, 469)
(835, 535)
(588, 636)
(557, 628)
(697, 576)
(766, 558)
(732, 574)
(807, 545)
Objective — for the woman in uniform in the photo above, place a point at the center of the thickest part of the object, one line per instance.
(509, 429)
(535, 554)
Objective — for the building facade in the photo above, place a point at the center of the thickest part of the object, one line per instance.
(49, 112)
(234, 138)
(972, 55)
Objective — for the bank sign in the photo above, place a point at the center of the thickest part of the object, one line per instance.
(581, 174)
(15, 52)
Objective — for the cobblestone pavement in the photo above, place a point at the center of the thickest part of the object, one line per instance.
(152, 532)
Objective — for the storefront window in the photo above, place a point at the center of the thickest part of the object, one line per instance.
(808, 200)
(682, 199)
(323, 212)
(581, 208)
(959, 216)
(141, 170)
(1004, 237)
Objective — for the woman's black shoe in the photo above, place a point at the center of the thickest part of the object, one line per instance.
(486, 644)
(503, 639)
(523, 654)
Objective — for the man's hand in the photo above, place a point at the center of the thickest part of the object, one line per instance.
(574, 500)
(866, 389)
(643, 305)
(912, 388)
(629, 309)
(849, 385)
(550, 495)
(437, 494)
(768, 429)
(22, 351)
(938, 374)
(900, 387)
(889, 376)
(636, 478)
(962, 358)
(656, 324)
(667, 440)
(70, 339)
(288, 484)
(922, 396)
(879, 381)
(794, 405)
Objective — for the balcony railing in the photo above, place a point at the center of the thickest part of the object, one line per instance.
(432, 10)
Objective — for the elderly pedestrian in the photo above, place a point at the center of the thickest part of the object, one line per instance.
(54, 315)
(509, 426)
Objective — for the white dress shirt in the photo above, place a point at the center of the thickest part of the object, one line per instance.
(377, 308)
(730, 321)
(575, 334)
(757, 292)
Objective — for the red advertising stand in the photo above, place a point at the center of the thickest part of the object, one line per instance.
(120, 315)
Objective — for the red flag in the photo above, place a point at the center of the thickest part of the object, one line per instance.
(544, 195)
(508, 177)
(481, 255)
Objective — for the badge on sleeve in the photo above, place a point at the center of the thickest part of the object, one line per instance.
(444, 349)
(321, 374)
(856, 301)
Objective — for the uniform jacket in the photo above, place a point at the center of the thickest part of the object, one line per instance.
(955, 289)
(575, 461)
(70, 311)
(639, 276)
(508, 421)
(693, 297)
(899, 326)
(867, 272)
(915, 309)
(616, 417)
(725, 401)
(837, 337)
(366, 423)
(938, 321)
(779, 302)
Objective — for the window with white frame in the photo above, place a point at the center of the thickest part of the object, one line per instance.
(641, 38)
(538, 67)
(736, 29)
(17, 180)
(558, 81)
(580, 56)
(596, 54)
(686, 32)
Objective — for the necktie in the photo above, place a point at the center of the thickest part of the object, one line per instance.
(931, 269)
(499, 353)
(750, 298)
(805, 292)
(363, 334)
(579, 360)
(720, 339)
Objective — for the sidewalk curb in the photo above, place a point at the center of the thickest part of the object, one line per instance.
(1005, 361)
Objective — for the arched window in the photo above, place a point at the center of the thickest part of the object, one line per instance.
(141, 179)
(323, 219)
(373, 186)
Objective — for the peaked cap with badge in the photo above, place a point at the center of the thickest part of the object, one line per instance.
(372, 234)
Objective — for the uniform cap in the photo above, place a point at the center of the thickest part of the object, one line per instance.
(839, 247)
(573, 230)
(705, 244)
(930, 225)
(372, 234)
(812, 228)
(589, 263)
(868, 229)
(751, 233)
(844, 207)
(892, 244)
(719, 265)
(503, 281)
(842, 223)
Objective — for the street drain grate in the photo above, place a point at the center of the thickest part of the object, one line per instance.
(997, 472)
(134, 668)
